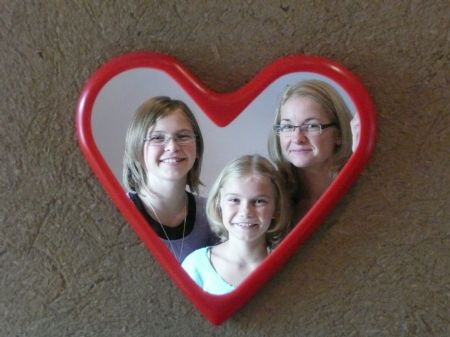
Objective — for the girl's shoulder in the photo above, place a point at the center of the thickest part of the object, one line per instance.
(196, 258)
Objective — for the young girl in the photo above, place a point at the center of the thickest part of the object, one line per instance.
(311, 141)
(163, 154)
(246, 208)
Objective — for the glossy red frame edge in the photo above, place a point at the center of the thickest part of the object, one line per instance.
(226, 106)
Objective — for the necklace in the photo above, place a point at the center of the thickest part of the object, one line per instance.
(165, 233)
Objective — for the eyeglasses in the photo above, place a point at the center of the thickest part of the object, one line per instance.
(162, 139)
(309, 129)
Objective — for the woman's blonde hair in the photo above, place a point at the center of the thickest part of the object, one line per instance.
(146, 116)
(243, 167)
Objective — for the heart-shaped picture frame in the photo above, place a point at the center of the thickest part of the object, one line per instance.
(122, 83)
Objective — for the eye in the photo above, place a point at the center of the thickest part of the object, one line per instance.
(156, 138)
(286, 127)
(233, 200)
(184, 137)
(260, 202)
(311, 127)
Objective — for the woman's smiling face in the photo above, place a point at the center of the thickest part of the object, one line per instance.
(302, 150)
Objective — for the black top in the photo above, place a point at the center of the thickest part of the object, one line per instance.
(173, 233)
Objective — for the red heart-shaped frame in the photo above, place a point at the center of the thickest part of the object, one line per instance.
(222, 108)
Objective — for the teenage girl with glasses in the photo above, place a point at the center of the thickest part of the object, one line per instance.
(163, 156)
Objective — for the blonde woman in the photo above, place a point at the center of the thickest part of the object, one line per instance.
(311, 140)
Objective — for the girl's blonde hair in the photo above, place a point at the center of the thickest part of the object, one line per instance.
(242, 167)
(146, 116)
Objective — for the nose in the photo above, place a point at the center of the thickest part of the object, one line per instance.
(298, 136)
(171, 144)
(245, 209)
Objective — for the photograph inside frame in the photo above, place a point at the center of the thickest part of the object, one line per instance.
(187, 229)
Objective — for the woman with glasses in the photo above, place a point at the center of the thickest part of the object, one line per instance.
(311, 140)
(163, 156)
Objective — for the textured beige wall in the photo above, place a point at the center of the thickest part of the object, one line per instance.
(71, 266)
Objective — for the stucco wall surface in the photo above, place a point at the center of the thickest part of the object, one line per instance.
(71, 266)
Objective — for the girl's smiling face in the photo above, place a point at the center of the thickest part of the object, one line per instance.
(170, 161)
(307, 151)
(247, 206)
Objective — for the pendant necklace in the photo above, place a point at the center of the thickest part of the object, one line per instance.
(165, 233)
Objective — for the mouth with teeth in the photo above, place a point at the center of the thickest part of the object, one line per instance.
(171, 160)
(303, 149)
(245, 225)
